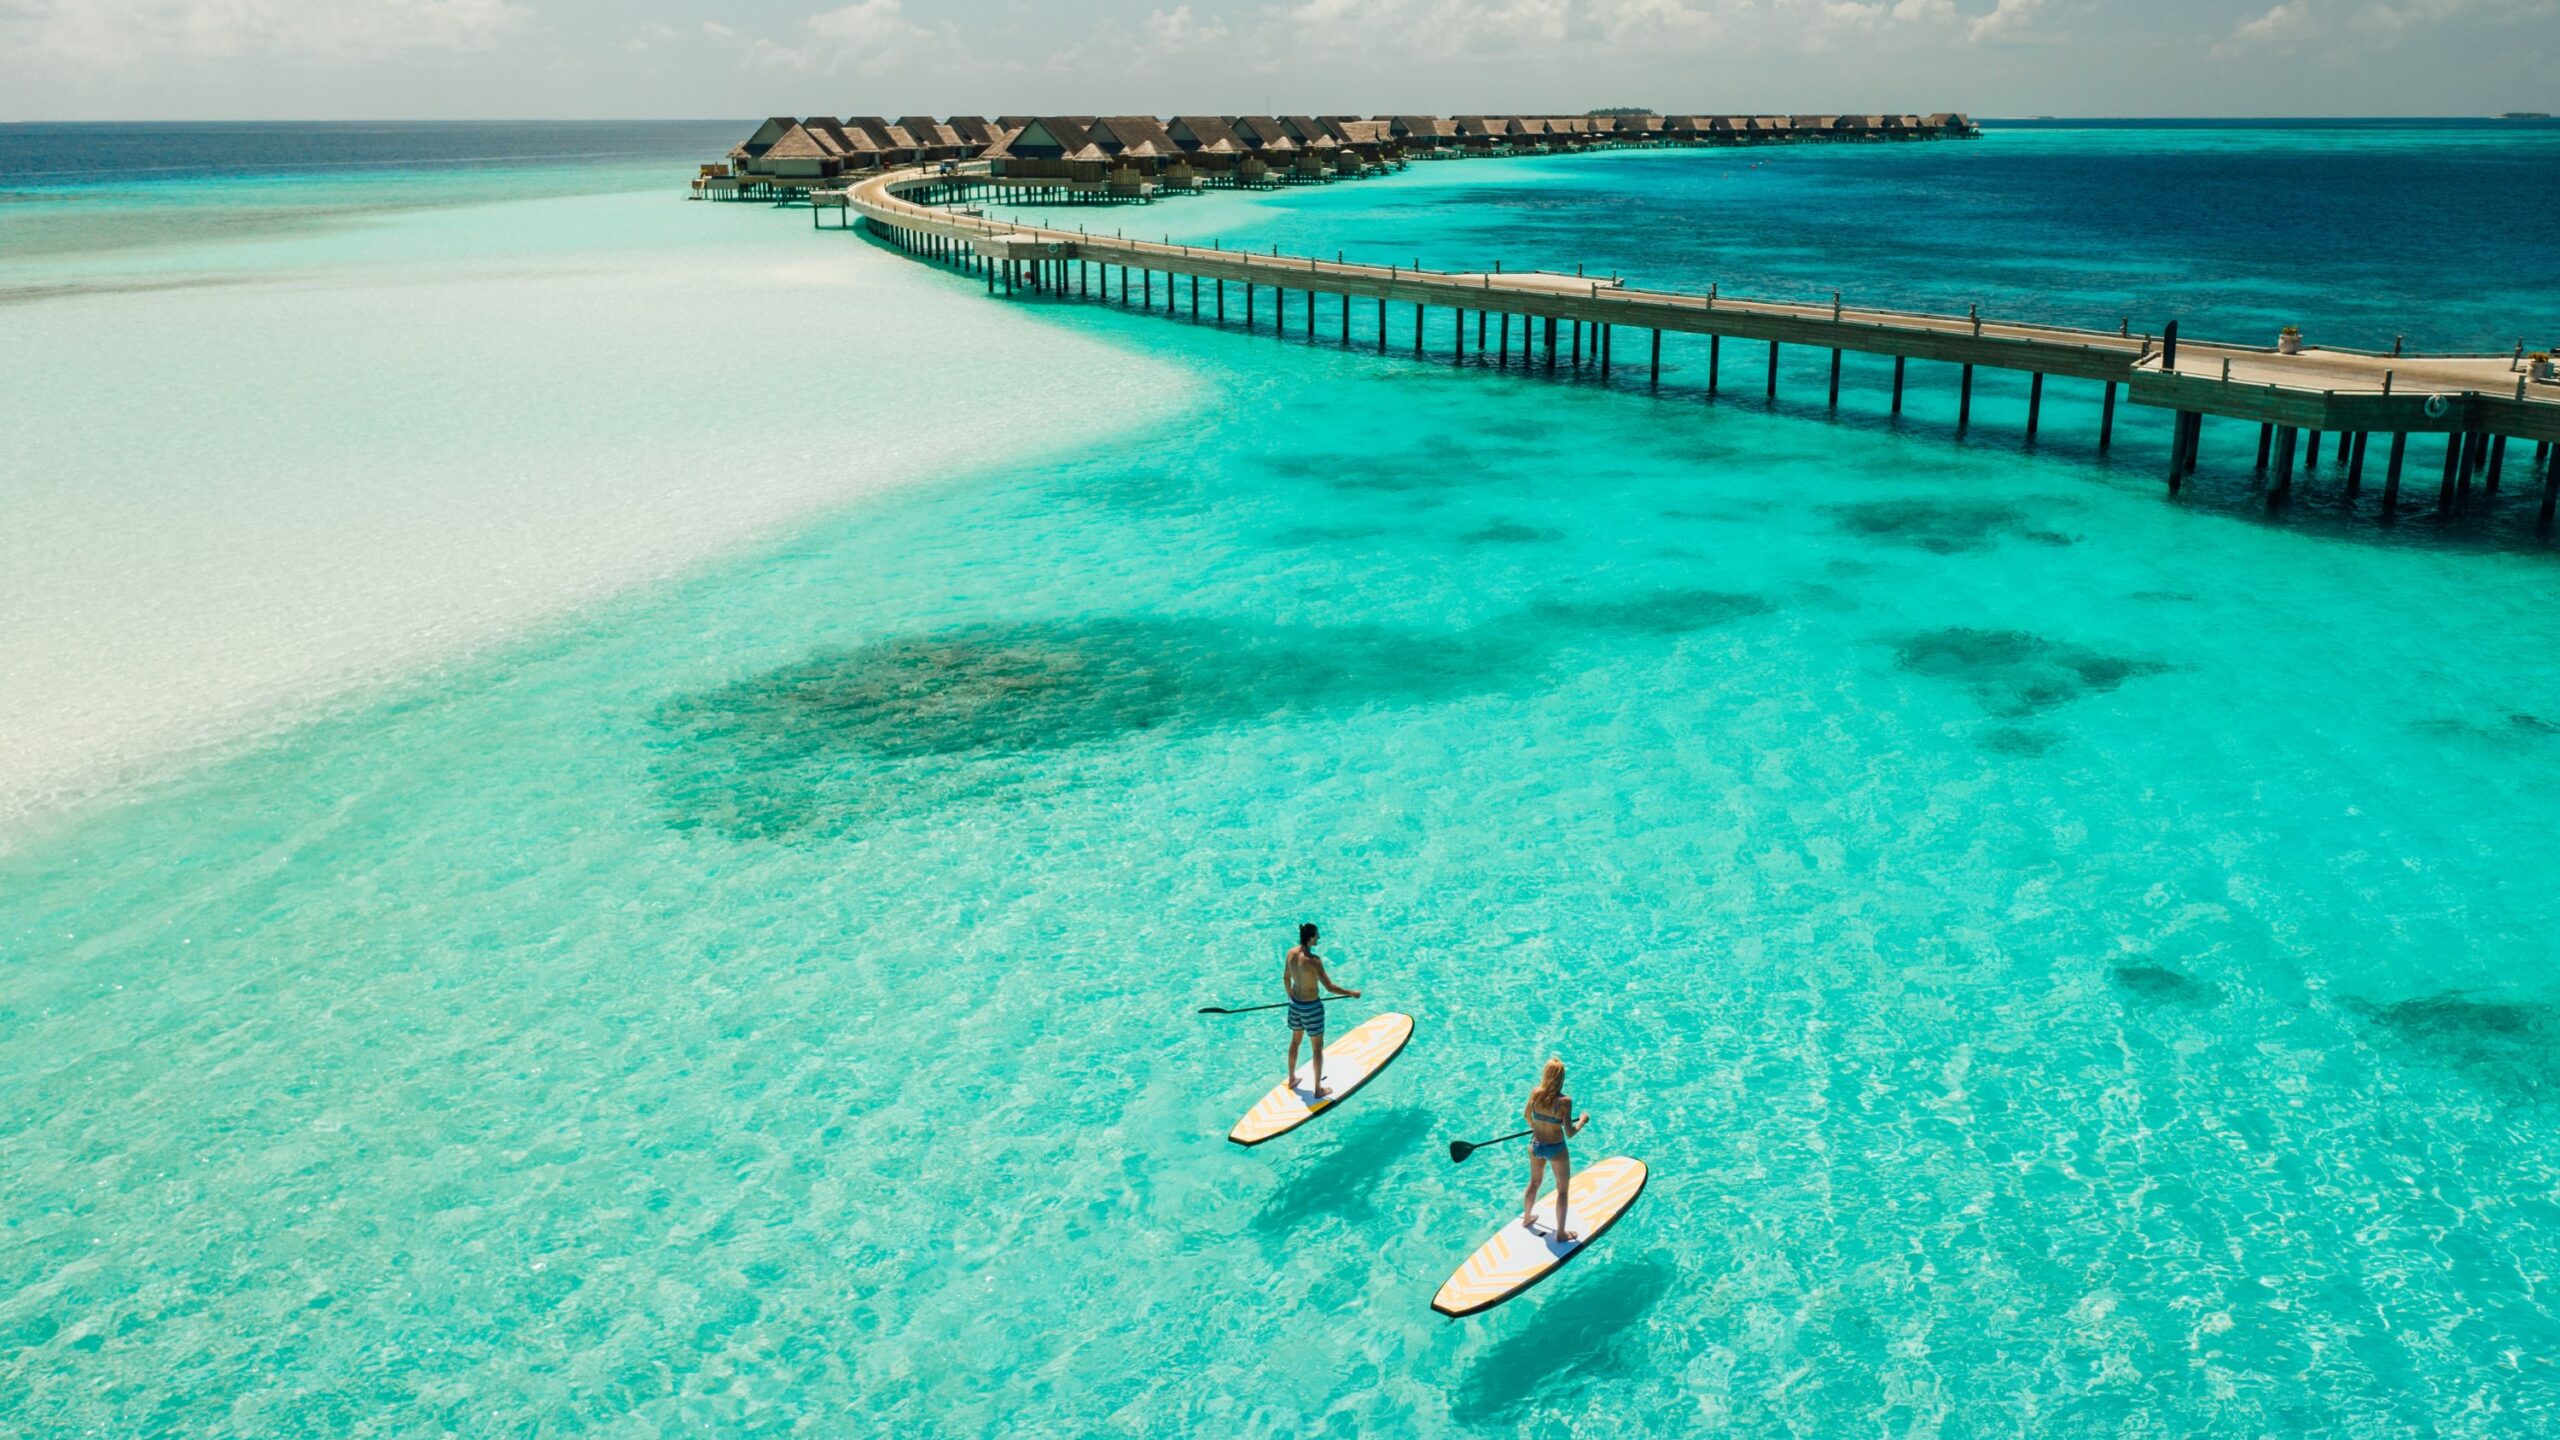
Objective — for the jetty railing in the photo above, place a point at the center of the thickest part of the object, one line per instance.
(2479, 402)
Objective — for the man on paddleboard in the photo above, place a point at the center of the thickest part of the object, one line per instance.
(1303, 976)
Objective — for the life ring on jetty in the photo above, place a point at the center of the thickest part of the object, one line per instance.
(2437, 407)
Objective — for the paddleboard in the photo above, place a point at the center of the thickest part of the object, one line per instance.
(1349, 1063)
(1518, 1257)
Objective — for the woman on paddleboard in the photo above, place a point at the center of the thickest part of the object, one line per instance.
(1303, 976)
(1551, 1124)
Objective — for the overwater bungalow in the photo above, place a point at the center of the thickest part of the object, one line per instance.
(1271, 154)
(891, 145)
(934, 140)
(1209, 145)
(1141, 151)
(1141, 136)
(1050, 147)
(1369, 137)
(1259, 132)
(851, 150)
(745, 155)
(796, 156)
(1136, 155)
(1424, 133)
(1323, 146)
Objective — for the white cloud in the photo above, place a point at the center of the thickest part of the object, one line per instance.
(1171, 32)
(2005, 20)
(648, 35)
(2282, 27)
(109, 33)
(1496, 28)
(869, 37)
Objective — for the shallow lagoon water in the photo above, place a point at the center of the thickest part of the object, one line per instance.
(2072, 960)
(292, 435)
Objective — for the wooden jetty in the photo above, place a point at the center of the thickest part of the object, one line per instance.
(2479, 403)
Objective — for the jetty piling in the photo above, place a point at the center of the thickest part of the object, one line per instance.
(2291, 398)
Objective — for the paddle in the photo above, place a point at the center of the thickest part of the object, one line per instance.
(1241, 1010)
(1459, 1150)
(1249, 1009)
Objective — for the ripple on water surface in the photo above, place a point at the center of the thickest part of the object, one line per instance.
(2089, 988)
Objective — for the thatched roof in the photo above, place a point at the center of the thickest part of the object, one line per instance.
(1422, 127)
(880, 133)
(1129, 132)
(1258, 131)
(771, 130)
(1206, 134)
(830, 133)
(1045, 137)
(974, 130)
(798, 144)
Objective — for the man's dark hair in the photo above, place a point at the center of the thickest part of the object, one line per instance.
(1307, 934)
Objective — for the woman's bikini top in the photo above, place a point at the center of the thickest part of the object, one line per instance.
(1558, 1121)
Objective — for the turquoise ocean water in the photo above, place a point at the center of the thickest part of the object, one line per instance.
(2076, 963)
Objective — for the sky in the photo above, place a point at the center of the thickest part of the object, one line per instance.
(594, 59)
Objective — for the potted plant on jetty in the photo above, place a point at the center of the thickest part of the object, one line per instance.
(2289, 340)
(2541, 368)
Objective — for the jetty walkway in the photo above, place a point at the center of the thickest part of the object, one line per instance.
(2479, 403)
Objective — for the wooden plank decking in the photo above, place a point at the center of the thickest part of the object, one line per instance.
(2330, 390)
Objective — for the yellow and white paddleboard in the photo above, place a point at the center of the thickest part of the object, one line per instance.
(1518, 1257)
(1349, 1063)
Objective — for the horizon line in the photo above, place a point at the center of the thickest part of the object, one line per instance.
(732, 119)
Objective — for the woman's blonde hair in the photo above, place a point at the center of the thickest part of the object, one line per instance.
(1550, 1083)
